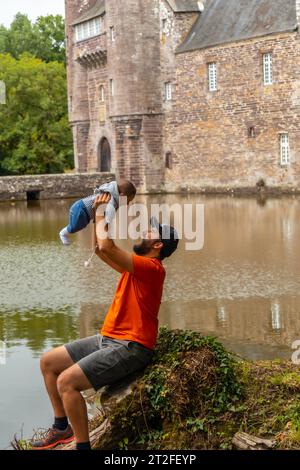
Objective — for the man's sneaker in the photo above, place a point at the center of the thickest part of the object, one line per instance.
(51, 438)
(64, 238)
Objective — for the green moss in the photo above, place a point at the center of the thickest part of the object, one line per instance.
(196, 395)
(182, 396)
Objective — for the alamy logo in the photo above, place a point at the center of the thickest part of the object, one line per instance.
(2, 353)
(188, 220)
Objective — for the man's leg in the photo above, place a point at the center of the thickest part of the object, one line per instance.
(69, 384)
(52, 364)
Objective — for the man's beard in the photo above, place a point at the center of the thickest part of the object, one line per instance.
(143, 248)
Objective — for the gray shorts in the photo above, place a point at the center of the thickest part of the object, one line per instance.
(105, 360)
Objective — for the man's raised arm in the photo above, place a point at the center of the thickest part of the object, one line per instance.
(118, 259)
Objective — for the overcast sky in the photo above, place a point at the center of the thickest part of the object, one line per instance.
(32, 8)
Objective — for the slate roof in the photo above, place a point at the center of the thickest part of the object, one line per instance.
(183, 6)
(224, 21)
(179, 6)
(97, 10)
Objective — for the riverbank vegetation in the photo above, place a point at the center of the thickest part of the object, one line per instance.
(196, 395)
(35, 136)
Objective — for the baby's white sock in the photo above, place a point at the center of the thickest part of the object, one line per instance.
(64, 236)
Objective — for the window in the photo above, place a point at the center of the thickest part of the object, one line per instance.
(212, 76)
(98, 25)
(169, 162)
(268, 69)
(79, 32)
(168, 91)
(164, 25)
(285, 157)
(111, 87)
(102, 93)
(112, 33)
(251, 132)
(88, 29)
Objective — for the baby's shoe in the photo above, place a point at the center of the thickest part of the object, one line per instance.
(64, 236)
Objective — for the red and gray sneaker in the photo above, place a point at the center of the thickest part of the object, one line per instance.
(48, 439)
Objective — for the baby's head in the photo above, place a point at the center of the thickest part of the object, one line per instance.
(127, 189)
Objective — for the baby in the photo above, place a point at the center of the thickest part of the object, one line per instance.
(82, 212)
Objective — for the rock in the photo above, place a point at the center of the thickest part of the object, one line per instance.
(244, 441)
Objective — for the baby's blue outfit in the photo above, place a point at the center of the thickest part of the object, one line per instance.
(82, 212)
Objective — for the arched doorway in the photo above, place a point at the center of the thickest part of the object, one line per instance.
(105, 156)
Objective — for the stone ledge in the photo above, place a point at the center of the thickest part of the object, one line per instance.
(22, 188)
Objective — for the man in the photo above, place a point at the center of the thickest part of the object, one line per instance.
(127, 338)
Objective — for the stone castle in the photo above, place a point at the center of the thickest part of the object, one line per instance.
(185, 95)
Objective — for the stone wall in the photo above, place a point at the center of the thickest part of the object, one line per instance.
(174, 28)
(209, 134)
(21, 188)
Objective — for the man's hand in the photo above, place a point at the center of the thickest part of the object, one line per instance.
(101, 200)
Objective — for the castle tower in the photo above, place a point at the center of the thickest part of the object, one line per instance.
(118, 65)
(77, 89)
(135, 89)
(116, 102)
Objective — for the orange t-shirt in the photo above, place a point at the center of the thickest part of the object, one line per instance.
(133, 315)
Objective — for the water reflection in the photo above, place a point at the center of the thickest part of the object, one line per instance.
(221, 315)
(242, 287)
(244, 282)
(276, 317)
(38, 328)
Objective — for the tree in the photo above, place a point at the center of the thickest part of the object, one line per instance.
(3, 38)
(44, 39)
(49, 32)
(35, 136)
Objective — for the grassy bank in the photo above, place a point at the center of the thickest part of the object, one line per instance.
(196, 395)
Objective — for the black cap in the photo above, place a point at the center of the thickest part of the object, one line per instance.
(168, 236)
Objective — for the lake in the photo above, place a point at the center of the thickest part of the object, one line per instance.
(242, 287)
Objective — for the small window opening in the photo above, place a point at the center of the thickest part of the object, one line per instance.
(164, 25)
(102, 94)
(169, 162)
(212, 76)
(285, 156)
(268, 68)
(168, 91)
(112, 33)
(112, 87)
(251, 132)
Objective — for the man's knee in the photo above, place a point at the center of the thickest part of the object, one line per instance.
(47, 362)
(65, 383)
(57, 360)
